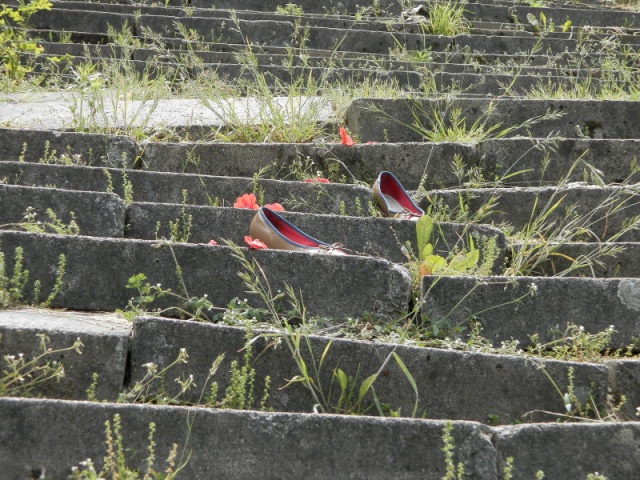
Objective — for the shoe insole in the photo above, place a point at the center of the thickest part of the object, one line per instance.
(394, 205)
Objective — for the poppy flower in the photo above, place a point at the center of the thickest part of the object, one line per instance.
(346, 139)
(316, 180)
(276, 207)
(254, 244)
(248, 200)
(212, 242)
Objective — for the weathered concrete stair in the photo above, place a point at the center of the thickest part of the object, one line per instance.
(474, 390)
(576, 450)
(500, 25)
(105, 265)
(482, 450)
(390, 119)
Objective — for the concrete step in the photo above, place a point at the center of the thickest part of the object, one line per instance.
(514, 308)
(103, 214)
(239, 75)
(48, 146)
(556, 161)
(230, 444)
(98, 270)
(191, 117)
(215, 447)
(522, 85)
(266, 54)
(165, 187)
(391, 120)
(530, 161)
(376, 237)
(461, 79)
(589, 213)
(600, 259)
(518, 13)
(478, 12)
(506, 388)
(94, 214)
(105, 347)
(283, 31)
(442, 377)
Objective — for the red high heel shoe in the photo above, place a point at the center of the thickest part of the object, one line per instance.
(275, 232)
(393, 200)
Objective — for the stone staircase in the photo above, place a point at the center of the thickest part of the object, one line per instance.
(544, 186)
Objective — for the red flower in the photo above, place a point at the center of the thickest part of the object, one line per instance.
(248, 200)
(276, 207)
(212, 242)
(316, 180)
(346, 139)
(254, 244)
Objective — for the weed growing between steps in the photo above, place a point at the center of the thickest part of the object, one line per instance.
(577, 410)
(600, 69)
(180, 228)
(446, 17)
(352, 393)
(113, 96)
(13, 289)
(24, 377)
(283, 311)
(239, 394)
(51, 157)
(443, 121)
(536, 248)
(29, 223)
(284, 318)
(115, 462)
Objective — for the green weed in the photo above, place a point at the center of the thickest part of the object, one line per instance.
(447, 17)
(180, 229)
(15, 41)
(115, 462)
(29, 223)
(13, 288)
(290, 9)
(22, 377)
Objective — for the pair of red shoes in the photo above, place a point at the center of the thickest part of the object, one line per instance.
(275, 232)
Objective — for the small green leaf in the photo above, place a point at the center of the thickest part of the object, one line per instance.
(433, 264)
(342, 379)
(325, 352)
(424, 228)
(412, 381)
(366, 385)
(426, 251)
